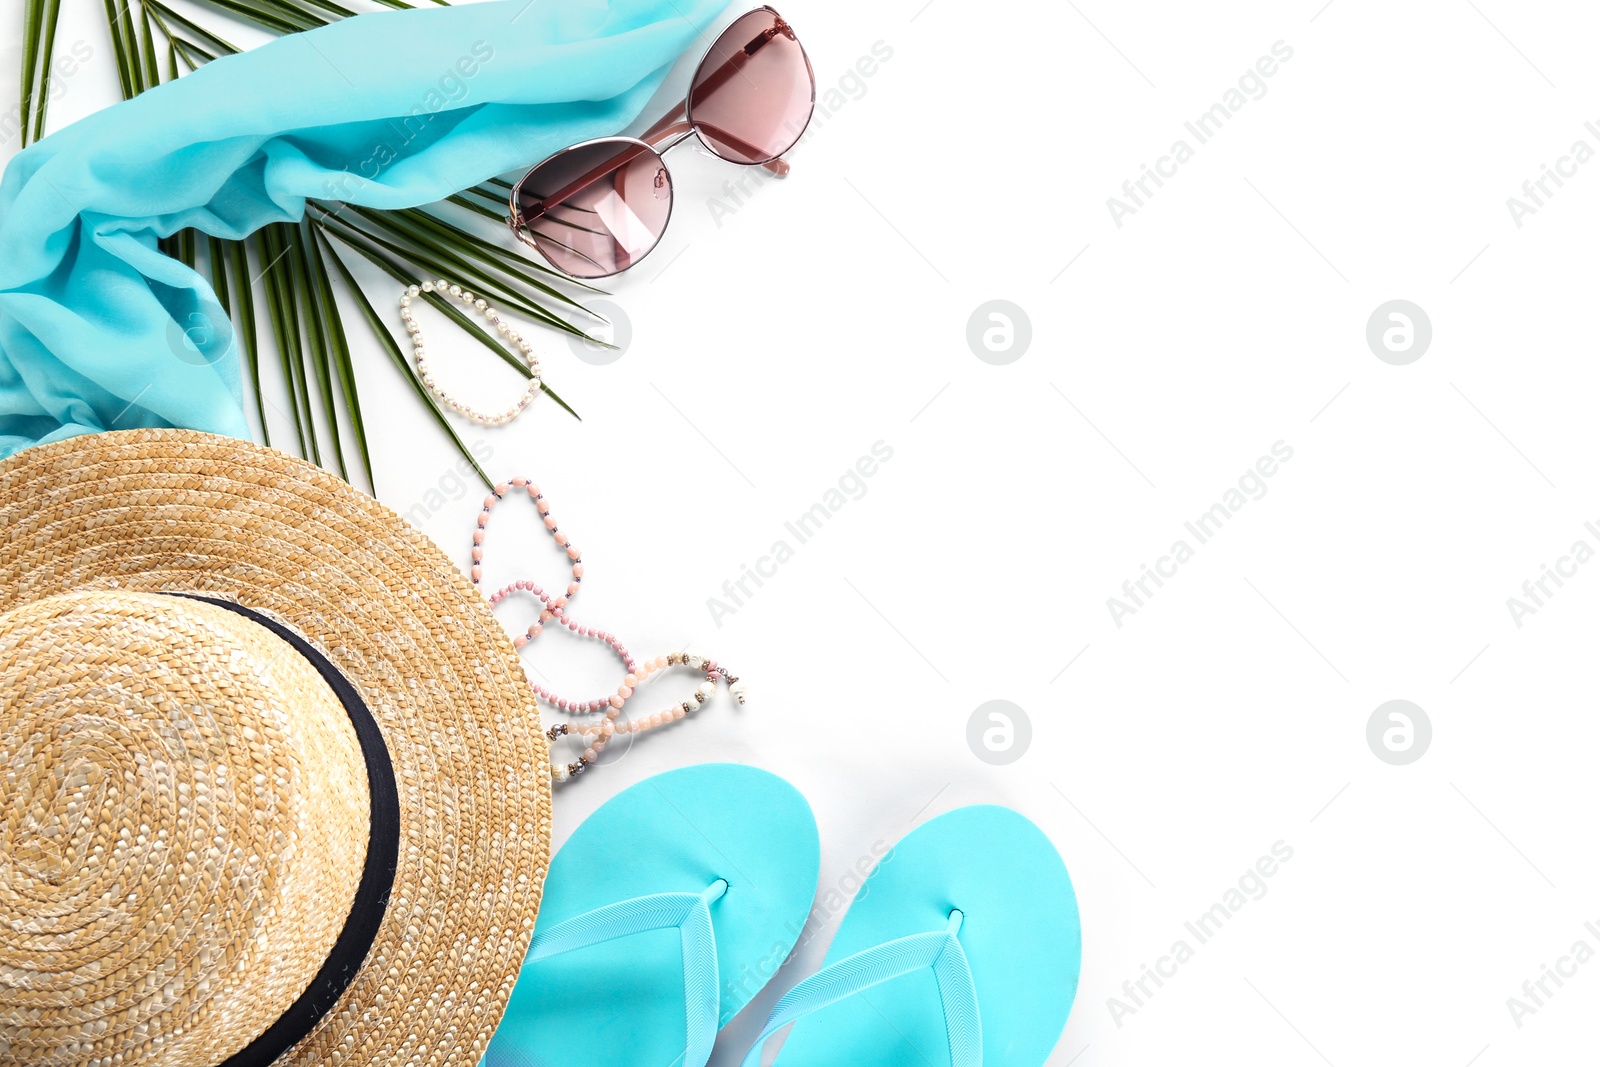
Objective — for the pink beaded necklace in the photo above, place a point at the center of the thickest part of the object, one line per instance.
(595, 733)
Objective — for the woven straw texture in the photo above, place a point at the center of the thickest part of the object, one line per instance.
(195, 750)
(133, 894)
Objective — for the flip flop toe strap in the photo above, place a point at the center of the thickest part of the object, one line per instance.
(690, 914)
(939, 950)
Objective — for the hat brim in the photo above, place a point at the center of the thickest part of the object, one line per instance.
(180, 511)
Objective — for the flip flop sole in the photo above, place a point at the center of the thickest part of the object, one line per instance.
(1020, 932)
(620, 1004)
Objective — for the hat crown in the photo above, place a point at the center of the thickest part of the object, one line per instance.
(186, 821)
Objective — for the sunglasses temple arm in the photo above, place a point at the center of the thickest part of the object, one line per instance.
(677, 121)
(733, 61)
(570, 190)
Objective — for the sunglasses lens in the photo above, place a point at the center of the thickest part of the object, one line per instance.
(598, 208)
(752, 96)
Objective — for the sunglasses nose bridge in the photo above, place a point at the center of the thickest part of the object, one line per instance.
(677, 137)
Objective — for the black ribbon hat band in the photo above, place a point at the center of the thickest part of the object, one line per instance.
(350, 948)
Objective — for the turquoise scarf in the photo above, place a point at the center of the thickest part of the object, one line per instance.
(387, 110)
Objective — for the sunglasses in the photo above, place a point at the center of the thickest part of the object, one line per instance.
(599, 207)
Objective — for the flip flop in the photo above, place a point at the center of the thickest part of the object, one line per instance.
(663, 914)
(961, 949)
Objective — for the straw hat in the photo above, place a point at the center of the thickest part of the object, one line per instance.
(272, 783)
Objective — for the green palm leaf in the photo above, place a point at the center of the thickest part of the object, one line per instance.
(297, 266)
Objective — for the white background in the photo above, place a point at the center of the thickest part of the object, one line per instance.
(774, 345)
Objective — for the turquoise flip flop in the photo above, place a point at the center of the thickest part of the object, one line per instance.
(663, 914)
(961, 949)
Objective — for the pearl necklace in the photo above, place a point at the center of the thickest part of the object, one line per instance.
(473, 303)
(595, 734)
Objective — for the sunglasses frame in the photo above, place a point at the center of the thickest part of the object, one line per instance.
(671, 130)
(519, 225)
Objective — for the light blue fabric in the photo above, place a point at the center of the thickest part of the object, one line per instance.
(391, 109)
(939, 950)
